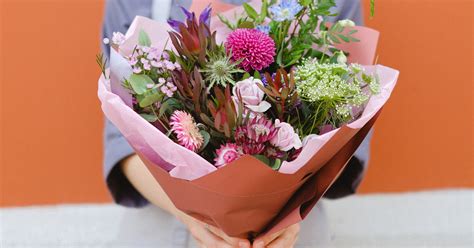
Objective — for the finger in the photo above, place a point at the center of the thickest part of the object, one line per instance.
(284, 241)
(206, 238)
(287, 239)
(267, 239)
(235, 242)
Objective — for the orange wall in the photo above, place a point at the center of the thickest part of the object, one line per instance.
(51, 121)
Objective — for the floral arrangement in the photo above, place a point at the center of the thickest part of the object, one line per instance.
(276, 80)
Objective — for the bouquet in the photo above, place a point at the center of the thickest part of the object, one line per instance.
(245, 119)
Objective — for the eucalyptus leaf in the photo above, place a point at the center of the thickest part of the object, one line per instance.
(168, 106)
(149, 118)
(206, 136)
(150, 99)
(139, 83)
(143, 39)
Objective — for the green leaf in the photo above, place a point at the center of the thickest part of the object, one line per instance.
(276, 164)
(150, 99)
(280, 58)
(372, 8)
(206, 137)
(250, 11)
(139, 83)
(245, 76)
(246, 24)
(143, 39)
(149, 118)
(168, 106)
(352, 32)
(226, 21)
(256, 75)
(263, 158)
(334, 38)
(354, 39)
(344, 38)
(306, 3)
(263, 12)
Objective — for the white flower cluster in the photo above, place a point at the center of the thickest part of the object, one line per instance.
(339, 84)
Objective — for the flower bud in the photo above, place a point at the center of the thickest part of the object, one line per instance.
(346, 23)
(341, 58)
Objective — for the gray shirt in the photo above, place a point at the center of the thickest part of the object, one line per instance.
(119, 15)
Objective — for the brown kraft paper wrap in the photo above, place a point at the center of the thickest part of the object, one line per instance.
(247, 198)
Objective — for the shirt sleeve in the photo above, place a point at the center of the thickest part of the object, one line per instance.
(118, 17)
(352, 175)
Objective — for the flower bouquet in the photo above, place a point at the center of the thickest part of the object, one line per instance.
(247, 118)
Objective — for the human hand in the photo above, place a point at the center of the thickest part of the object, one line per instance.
(208, 236)
(285, 238)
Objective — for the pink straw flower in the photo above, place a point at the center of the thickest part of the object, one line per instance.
(256, 48)
(186, 130)
(227, 153)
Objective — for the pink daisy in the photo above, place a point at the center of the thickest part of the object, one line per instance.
(186, 130)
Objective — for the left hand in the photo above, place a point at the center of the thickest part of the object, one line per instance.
(285, 238)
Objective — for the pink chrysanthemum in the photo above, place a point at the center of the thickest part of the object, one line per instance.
(255, 48)
(227, 153)
(186, 130)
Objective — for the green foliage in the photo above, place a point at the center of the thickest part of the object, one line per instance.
(144, 39)
(206, 136)
(149, 117)
(139, 83)
(329, 93)
(251, 12)
(273, 163)
(372, 8)
(150, 98)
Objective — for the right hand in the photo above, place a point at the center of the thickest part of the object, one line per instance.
(208, 236)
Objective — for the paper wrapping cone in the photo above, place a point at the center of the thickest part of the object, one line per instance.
(247, 198)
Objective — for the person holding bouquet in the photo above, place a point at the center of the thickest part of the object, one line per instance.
(132, 185)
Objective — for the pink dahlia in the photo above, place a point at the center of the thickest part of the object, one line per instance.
(186, 130)
(227, 153)
(255, 48)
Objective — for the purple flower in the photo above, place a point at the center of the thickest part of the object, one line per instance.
(263, 28)
(204, 17)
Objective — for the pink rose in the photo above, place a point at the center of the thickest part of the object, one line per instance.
(252, 95)
(286, 137)
(227, 153)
